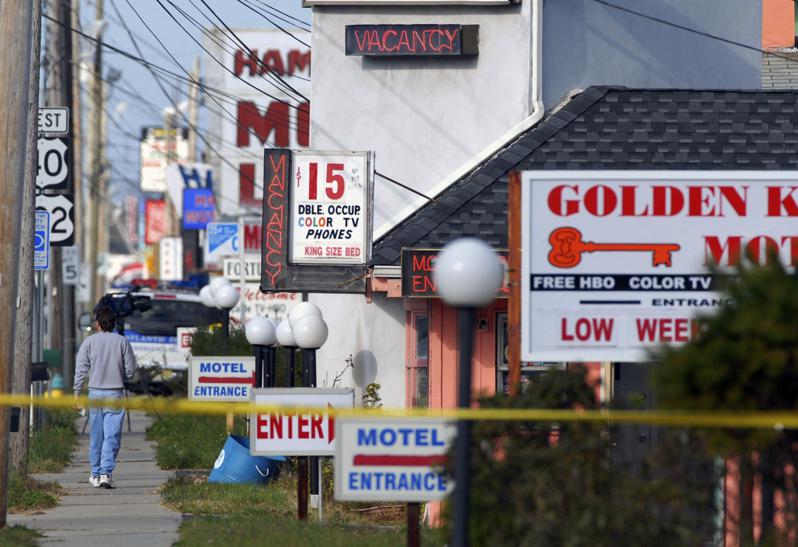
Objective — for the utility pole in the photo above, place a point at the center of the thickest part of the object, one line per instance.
(15, 68)
(77, 135)
(193, 110)
(59, 93)
(95, 154)
(23, 342)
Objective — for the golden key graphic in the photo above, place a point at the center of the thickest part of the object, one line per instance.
(567, 248)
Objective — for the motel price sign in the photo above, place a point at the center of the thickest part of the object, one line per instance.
(330, 207)
(221, 379)
(616, 262)
(309, 432)
(392, 459)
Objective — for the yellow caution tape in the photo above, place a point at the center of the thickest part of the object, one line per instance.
(167, 405)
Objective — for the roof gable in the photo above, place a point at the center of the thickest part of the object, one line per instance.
(611, 128)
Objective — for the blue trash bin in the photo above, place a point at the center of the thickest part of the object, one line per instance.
(235, 465)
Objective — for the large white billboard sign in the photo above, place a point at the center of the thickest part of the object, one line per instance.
(616, 262)
(270, 79)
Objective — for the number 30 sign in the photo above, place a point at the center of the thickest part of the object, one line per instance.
(330, 207)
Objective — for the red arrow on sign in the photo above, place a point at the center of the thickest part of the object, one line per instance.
(330, 424)
(396, 460)
(226, 380)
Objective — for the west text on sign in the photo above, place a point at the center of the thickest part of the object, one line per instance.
(53, 120)
(391, 459)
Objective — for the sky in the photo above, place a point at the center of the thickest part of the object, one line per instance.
(130, 114)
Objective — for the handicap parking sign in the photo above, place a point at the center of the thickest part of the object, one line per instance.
(41, 241)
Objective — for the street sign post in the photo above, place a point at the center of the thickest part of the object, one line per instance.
(221, 379)
(292, 433)
(41, 241)
(62, 218)
(222, 240)
(70, 265)
(392, 459)
(53, 120)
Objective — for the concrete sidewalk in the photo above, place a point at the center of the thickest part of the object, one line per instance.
(130, 515)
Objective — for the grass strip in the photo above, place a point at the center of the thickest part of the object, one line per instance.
(253, 530)
(189, 442)
(19, 536)
(51, 446)
(26, 494)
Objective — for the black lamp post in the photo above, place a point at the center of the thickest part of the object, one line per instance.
(285, 337)
(260, 333)
(468, 274)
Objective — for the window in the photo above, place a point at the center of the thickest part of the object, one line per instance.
(528, 370)
(162, 317)
(417, 375)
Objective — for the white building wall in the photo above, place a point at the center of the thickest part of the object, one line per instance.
(371, 338)
(423, 116)
(426, 117)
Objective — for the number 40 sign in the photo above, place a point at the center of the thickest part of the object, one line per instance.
(330, 207)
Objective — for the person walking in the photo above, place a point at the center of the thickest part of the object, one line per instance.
(108, 360)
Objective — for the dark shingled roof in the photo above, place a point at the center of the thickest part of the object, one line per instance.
(611, 128)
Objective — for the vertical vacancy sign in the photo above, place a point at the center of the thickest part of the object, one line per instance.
(317, 220)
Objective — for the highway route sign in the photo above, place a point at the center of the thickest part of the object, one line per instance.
(53, 171)
(62, 218)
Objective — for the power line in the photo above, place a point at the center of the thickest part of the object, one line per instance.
(225, 46)
(166, 93)
(209, 90)
(205, 88)
(255, 10)
(250, 52)
(199, 134)
(220, 63)
(272, 8)
(693, 31)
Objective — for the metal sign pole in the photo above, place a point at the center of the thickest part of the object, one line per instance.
(413, 528)
(243, 273)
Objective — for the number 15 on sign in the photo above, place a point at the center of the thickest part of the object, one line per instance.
(331, 196)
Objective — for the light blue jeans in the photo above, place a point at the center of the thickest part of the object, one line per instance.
(106, 432)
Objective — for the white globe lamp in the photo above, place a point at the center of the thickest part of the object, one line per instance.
(207, 297)
(285, 335)
(226, 297)
(260, 331)
(468, 273)
(217, 283)
(310, 332)
(303, 309)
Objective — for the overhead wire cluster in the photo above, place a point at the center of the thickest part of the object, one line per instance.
(218, 96)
